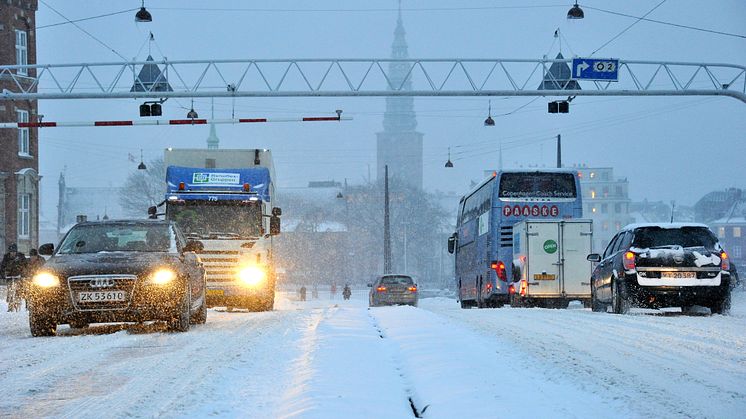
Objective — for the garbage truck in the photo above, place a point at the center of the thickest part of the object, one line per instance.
(226, 200)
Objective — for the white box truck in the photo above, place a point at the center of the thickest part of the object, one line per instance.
(549, 263)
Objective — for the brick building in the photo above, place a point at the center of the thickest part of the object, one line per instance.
(19, 164)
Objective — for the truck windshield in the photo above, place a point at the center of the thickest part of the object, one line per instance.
(651, 237)
(216, 220)
(95, 238)
(537, 185)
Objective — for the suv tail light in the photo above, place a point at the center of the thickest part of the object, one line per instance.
(412, 289)
(629, 261)
(724, 261)
(499, 268)
(381, 289)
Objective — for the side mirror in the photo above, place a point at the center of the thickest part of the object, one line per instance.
(46, 249)
(274, 225)
(276, 211)
(594, 257)
(152, 211)
(452, 243)
(194, 246)
(370, 285)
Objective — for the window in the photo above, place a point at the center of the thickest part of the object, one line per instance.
(24, 216)
(721, 232)
(606, 191)
(593, 210)
(619, 192)
(606, 226)
(604, 208)
(209, 163)
(23, 133)
(737, 252)
(22, 51)
(736, 231)
(617, 208)
(593, 174)
(593, 194)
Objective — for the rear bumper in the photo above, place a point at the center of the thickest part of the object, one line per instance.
(227, 294)
(394, 299)
(662, 296)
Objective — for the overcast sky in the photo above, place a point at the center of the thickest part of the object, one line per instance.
(668, 148)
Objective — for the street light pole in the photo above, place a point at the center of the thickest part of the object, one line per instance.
(386, 225)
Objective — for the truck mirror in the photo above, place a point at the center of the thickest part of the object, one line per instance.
(276, 211)
(274, 225)
(452, 243)
(594, 257)
(46, 249)
(152, 211)
(194, 246)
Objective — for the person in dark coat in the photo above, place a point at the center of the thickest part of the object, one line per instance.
(13, 267)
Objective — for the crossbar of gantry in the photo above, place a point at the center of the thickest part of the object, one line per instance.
(363, 78)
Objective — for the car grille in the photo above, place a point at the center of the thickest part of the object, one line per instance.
(83, 283)
(220, 265)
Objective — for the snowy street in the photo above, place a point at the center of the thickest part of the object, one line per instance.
(324, 358)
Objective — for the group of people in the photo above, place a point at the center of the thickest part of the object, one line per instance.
(17, 270)
(346, 292)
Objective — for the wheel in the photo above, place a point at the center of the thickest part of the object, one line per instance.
(619, 299)
(200, 317)
(721, 306)
(596, 305)
(41, 325)
(515, 301)
(467, 304)
(180, 320)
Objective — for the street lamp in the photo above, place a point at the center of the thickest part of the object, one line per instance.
(141, 166)
(192, 114)
(575, 12)
(449, 163)
(143, 15)
(489, 122)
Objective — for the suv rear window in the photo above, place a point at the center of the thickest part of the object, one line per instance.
(394, 280)
(650, 237)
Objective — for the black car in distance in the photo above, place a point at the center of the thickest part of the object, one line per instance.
(119, 271)
(662, 265)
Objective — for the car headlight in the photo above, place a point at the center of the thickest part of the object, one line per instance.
(252, 275)
(162, 276)
(46, 280)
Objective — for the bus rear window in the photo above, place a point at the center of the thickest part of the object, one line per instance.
(537, 185)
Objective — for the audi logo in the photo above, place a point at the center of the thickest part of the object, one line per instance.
(101, 283)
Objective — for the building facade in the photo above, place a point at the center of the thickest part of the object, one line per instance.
(605, 201)
(399, 145)
(19, 162)
(731, 231)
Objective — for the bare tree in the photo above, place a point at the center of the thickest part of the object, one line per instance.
(144, 188)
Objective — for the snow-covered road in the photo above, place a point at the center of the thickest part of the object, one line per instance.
(328, 359)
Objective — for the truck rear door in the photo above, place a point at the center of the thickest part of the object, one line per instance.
(543, 259)
(575, 246)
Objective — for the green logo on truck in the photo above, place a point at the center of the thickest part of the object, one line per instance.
(550, 246)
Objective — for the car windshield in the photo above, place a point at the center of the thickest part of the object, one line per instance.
(652, 237)
(397, 280)
(95, 238)
(201, 220)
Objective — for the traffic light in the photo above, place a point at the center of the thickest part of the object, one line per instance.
(559, 106)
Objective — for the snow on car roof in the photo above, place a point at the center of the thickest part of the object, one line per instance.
(663, 225)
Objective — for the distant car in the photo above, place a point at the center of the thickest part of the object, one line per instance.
(118, 271)
(393, 289)
(662, 265)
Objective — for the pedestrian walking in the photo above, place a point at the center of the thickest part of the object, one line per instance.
(13, 268)
(303, 293)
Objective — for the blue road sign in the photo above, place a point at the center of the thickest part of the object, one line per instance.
(606, 69)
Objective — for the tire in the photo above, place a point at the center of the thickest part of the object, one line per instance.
(41, 325)
(722, 306)
(200, 317)
(515, 302)
(620, 303)
(596, 305)
(180, 320)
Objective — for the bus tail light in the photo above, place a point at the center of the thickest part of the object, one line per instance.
(381, 289)
(511, 289)
(246, 187)
(724, 261)
(499, 268)
(629, 261)
(181, 186)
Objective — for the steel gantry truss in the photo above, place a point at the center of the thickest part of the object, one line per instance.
(362, 78)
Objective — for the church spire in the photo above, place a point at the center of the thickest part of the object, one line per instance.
(399, 115)
(213, 142)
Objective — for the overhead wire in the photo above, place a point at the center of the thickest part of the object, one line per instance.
(85, 18)
(628, 27)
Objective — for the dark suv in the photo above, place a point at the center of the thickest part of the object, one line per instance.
(662, 265)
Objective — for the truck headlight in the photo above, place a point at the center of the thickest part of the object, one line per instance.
(46, 280)
(162, 276)
(252, 275)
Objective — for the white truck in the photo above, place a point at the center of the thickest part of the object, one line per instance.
(225, 198)
(549, 262)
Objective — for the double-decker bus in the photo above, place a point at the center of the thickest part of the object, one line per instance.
(483, 241)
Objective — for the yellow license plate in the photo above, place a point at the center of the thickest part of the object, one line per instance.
(545, 277)
(215, 292)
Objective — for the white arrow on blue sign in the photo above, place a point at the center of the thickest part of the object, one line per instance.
(606, 69)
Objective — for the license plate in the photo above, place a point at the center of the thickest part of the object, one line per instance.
(545, 277)
(678, 275)
(215, 292)
(101, 296)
